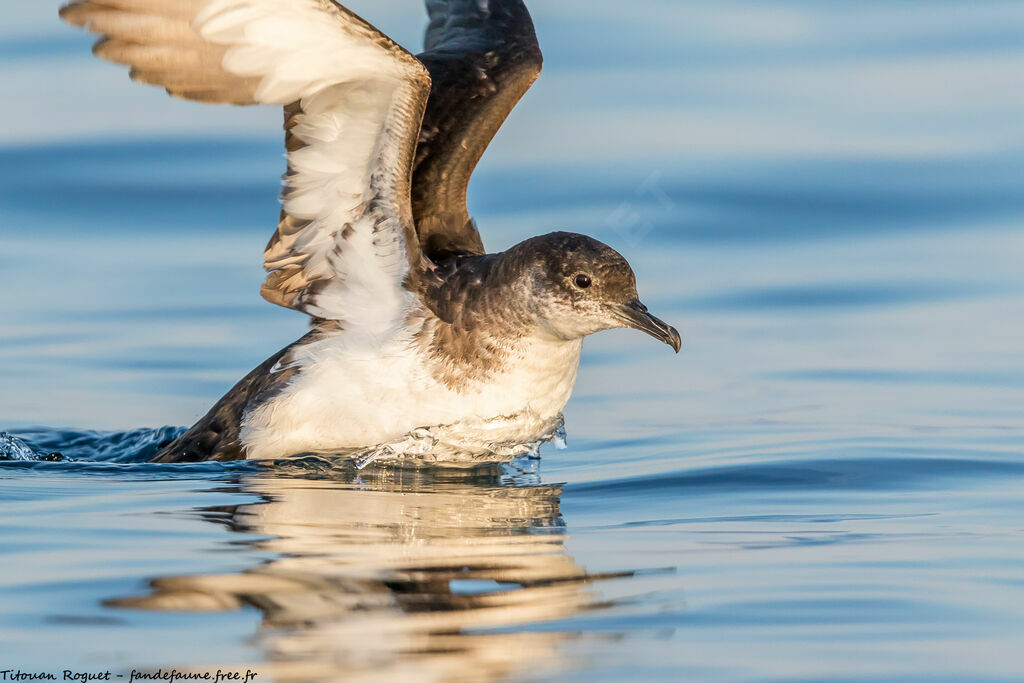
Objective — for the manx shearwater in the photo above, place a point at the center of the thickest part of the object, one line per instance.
(414, 325)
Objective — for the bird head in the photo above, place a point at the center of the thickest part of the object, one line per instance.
(577, 286)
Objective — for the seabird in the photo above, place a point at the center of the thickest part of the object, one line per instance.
(418, 335)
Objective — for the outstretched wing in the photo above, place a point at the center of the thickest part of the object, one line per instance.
(346, 243)
(482, 56)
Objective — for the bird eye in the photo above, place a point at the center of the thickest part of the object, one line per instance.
(582, 281)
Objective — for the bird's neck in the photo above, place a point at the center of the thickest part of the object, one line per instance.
(484, 325)
(526, 370)
(469, 292)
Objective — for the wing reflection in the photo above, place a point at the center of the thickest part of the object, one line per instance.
(394, 573)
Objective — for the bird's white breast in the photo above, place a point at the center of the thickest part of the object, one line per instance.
(352, 395)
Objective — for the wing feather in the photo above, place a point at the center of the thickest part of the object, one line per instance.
(483, 56)
(345, 248)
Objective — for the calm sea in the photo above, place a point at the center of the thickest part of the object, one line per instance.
(826, 198)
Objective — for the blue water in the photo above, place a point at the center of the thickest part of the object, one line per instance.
(827, 199)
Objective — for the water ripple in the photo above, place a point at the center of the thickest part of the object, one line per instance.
(870, 473)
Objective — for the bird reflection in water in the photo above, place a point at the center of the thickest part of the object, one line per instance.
(396, 573)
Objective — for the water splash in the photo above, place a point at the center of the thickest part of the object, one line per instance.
(130, 446)
(448, 445)
(13, 448)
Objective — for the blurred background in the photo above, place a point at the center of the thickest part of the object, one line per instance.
(826, 198)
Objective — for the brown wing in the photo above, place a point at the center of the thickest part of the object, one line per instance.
(482, 56)
(346, 243)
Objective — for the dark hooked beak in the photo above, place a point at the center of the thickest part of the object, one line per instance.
(634, 314)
